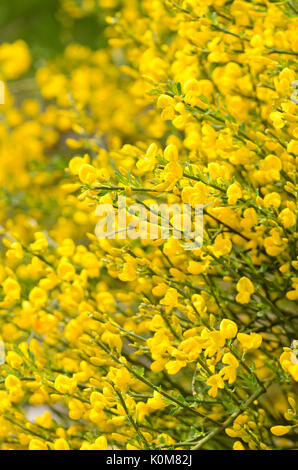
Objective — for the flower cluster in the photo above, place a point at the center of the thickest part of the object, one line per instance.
(130, 343)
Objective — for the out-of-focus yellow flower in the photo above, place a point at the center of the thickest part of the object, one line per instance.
(245, 289)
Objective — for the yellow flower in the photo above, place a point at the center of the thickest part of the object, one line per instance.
(277, 118)
(195, 267)
(15, 59)
(61, 444)
(238, 446)
(272, 166)
(173, 367)
(141, 411)
(12, 382)
(5, 401)
(274, 244)
(280, 430)
(11, 289)
(272, 199)
(15, 252)
(165, 101)
(76, 409)
(157, 402)
(215, 382)
(293, 370)
(228, 328)
(37, 444)
(112, 339)
(45, 420)
(197, 194)
(234, 193)
(100, 443)
(170, 300)
(178, 107)
(251, 341)
(167, 104)
(41, 242)
(87, 174)
(38, 297)
(292, 147)
(129, 272)
(287, 218)
(222, 246)
(159, 290)
(64, 384)
(148, 162)
(14, 359)
(250, 219)
(229, 372)
(76, 163)
(171, 153)
(66, 271)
